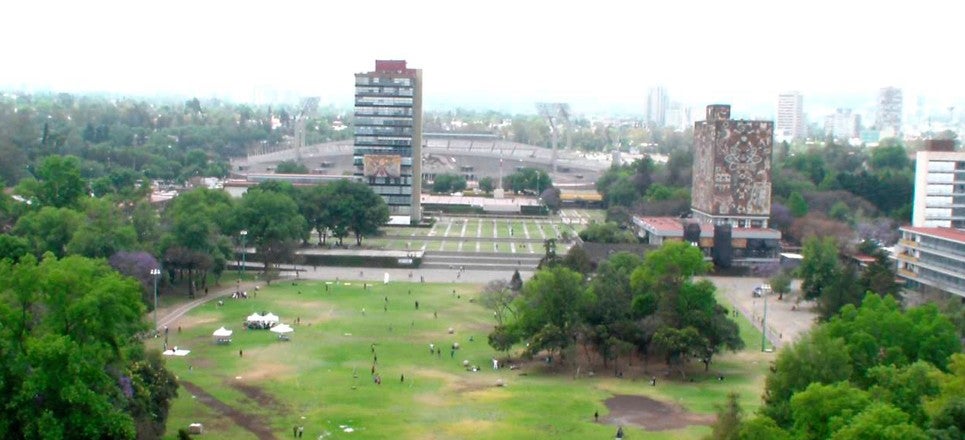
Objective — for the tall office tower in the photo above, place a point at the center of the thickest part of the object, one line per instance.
(657, 107)
(388, 136)
(888, 119)
(843, 124)
(732, 170)
(679, 116)
(790, 117)
(939, 186)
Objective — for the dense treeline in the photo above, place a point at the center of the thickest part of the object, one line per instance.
(839, 190)
(631, 307)
(118, 138)
(872, 371)
(71, 365)
(193, 236)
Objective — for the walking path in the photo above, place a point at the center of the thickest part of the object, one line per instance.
(168, 315)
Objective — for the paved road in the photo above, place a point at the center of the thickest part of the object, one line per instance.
(167, 316)
(787, 320)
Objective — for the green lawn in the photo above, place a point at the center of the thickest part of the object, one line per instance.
(309, 380)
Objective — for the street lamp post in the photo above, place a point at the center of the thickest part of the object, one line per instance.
(156, 272)
(766, 288)
(244, 251)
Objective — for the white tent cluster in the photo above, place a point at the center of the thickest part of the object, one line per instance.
(256, 321)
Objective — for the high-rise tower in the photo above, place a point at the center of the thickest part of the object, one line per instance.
(657, 103)
(388, 136)
(888, 120)
(790, 116)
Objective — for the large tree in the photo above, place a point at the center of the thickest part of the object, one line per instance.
(551, 307)
(61, 184)
(273, 224)
(197, 222)
(820, 266)
(528, 179)
(72, 366)
(853, 346)
(49, 229)
(104, 232)
(684, 316)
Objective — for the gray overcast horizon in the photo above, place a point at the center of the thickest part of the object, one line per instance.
(601, 56)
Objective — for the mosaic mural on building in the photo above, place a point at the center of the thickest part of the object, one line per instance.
(732, 165)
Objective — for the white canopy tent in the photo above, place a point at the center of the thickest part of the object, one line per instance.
(282, 330)
(254, 317)
(222, 335)
(270, 318)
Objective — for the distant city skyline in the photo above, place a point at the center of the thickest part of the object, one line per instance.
(503, 55)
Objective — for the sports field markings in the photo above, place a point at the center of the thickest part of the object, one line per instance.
(525, 230)
(495, 230)
(556, 227)
(477, 246)
(512, 247)
(463, 232)
(448, 227)
(539, 223)
(479, 231)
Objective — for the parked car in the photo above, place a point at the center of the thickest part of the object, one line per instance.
(763, 289)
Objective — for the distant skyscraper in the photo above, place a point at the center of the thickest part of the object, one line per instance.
(388, 136)
(732, 170)
(679, 116)
(888, 118)
(657, 102)
(843, 124)
(790, 117)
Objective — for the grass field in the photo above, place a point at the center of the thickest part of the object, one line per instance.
(321, 379)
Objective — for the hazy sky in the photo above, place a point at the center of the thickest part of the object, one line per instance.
(596, 55)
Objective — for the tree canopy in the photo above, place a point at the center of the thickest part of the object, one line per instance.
(72, 367)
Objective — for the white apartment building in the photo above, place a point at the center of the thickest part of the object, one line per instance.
(939, 190)
(790, 117)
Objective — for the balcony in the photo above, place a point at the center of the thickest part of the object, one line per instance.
(908, 243)
(906, 257)
(907, 274)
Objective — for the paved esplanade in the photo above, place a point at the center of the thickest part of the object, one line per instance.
(787, 319)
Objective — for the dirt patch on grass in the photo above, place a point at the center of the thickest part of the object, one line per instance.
(251, 422)
(265, 370)
(257, 394)
(650, 414)
(202, 362)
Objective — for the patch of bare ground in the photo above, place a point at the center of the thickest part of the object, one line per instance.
(253, 423)
(252, 392)
(650, 414)
(266, 370)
